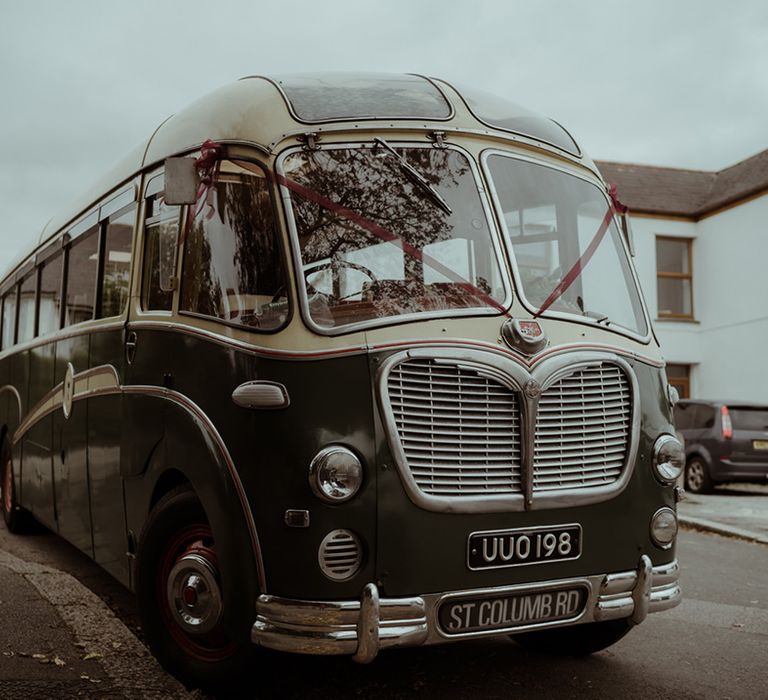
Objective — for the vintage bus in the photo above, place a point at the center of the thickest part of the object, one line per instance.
(337, 363)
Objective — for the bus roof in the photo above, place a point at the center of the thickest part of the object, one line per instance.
(263, 111)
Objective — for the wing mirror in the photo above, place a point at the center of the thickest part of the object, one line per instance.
(181, 181)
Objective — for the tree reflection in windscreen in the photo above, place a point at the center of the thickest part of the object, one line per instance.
(373, 244)
(232, 265)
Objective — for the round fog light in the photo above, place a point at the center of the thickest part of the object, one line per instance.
(664, 527)
(668, 459)
(335, 474)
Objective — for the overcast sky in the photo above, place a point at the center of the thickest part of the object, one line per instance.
(680, 83)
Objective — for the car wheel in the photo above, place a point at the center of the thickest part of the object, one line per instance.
(697, 479)
(580, 640)
(17, 520)
(181, 600)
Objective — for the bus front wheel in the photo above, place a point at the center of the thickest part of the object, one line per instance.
(580, 640)
(181, 601)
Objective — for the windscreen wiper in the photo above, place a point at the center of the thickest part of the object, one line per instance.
(415, 176)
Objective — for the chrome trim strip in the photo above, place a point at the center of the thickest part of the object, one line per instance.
(226, 341)
(493, 232)
(197, 412)
(241, 345)
(13, 390)
(85, 384)
(63, 334)
(515, 376)
(334, 627)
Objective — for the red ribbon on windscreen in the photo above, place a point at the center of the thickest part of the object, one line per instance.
(390, 237)
(615, 208)
(208, 166)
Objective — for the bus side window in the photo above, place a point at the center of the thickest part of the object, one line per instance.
(27, 305)
(9, 319)
(160, 245)
(233, 270)
(50, 295)
(82, 269)
(117, 263)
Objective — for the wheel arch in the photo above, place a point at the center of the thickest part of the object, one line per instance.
(192, 452)
(699, 452)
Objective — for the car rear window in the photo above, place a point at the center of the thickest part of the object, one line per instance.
(693, 416)
(749, 418)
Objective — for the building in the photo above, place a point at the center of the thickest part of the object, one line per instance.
(701, 251)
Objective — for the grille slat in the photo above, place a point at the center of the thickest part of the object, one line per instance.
(469, 428)
(461, 431)
(340, 555)
(583, 430)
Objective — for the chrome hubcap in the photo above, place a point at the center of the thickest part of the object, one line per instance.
(695, 476)
(194, 595)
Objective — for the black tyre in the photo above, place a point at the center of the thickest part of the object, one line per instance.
(697, 478)
(181, 602)
(580, 640)
(17, 520)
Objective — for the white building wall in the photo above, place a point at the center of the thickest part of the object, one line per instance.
(732, 286)
(727, 343)
(679, 340)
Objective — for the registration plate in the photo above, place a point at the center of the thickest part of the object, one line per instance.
(760, 444)
(495, 549)
(464, 615)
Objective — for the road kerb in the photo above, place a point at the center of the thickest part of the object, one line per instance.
(127, 662)
(721, 529)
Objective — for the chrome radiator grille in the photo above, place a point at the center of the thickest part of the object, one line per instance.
(582, 430)
(459, 430)
(462, 434)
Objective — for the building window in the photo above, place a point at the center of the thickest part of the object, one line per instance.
(674, 277)
(679, 376)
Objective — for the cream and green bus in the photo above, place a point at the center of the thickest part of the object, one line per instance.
(337, 363)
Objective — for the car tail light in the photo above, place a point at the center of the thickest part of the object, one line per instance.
(726, 421)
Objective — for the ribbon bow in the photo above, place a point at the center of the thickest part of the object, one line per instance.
(208, 165)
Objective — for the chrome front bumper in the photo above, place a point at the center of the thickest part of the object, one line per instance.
(362, 627)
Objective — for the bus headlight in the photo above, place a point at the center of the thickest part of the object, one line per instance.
(335, 474)
(664, 527)
(668, 459)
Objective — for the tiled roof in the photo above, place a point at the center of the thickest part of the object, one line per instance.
(689, 193)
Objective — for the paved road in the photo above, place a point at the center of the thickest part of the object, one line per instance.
(712, 646)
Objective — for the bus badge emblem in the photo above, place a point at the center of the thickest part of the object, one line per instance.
(68, 390)
(526, 337)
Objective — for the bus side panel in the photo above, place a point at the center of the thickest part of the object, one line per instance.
(8, 410)
(70, 473)
(38, 441)
(105, 482)
(106, 485)
(19, 379)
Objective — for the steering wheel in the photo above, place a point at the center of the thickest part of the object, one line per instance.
(335, 263)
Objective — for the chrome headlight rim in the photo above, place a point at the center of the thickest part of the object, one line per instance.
(662, 544)
(316, 474)
(665, 471)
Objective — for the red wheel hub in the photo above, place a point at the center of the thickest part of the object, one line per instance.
(189, 595)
